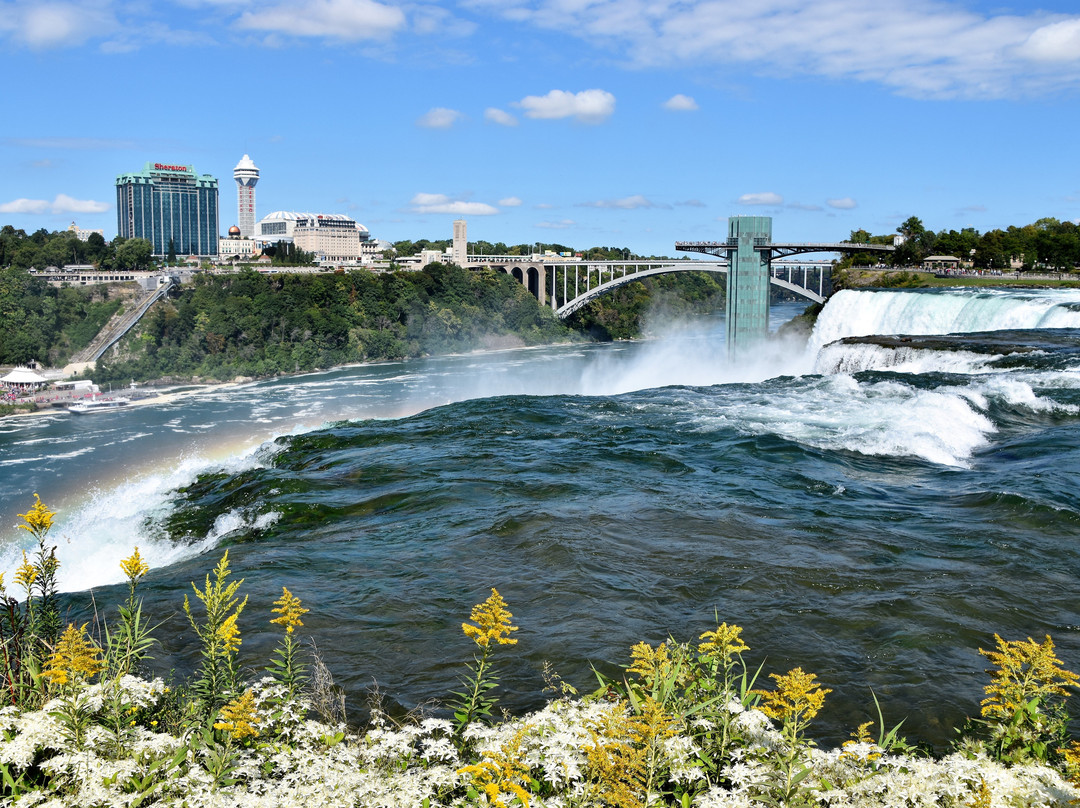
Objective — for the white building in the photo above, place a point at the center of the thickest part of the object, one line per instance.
(82, 233)
(333, 237)
(246, 175)
(234, 247)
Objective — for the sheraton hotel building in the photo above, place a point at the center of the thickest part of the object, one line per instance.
(164, 203)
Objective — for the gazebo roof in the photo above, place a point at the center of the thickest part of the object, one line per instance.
(23, 376)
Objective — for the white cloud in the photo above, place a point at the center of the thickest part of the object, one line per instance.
(681, 103)
(562, 224)
(919, 48)
(691, 203)
(437, 21)
(493, 115)
(440, 203)
(626, 203)
(766, 198)
(1057, 42)
(510, 202)
(439, 118)
(843, 203)
(62, 204)
(347, 20)
(588, 106)
(34, 206)
(66, 204)
(803, 206)
(53, 25)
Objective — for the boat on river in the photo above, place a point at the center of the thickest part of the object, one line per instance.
(97, 405)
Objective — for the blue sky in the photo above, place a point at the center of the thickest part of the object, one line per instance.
(586, 122)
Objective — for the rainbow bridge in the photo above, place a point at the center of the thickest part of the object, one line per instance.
(749, 258)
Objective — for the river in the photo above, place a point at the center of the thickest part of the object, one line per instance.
(872, 510)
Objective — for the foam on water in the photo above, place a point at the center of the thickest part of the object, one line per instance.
(838, 413)
(94, 535)
(840, 358)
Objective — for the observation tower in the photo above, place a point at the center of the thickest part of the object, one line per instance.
(246, 175)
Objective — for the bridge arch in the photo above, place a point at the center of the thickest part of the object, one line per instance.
(532, 282)
(570, 306)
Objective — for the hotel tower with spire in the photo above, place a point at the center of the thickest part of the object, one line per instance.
(246, 175)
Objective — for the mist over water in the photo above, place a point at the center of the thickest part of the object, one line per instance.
(872, 509)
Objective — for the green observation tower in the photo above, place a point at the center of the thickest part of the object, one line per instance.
(749, 251)
(748, 280)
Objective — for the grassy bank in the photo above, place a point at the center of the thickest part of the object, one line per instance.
(685, 723)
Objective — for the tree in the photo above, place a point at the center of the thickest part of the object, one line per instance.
(135, 253)
(918, 243)
(911, 228)
(171, 257)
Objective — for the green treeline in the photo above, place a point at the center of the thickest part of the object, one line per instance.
(250, 324)
(43, 249)
(1048, 243)
(40, 322)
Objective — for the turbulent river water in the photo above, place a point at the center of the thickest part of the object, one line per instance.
(872, 509)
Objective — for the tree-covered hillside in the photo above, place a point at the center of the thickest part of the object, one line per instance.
(42, 323)
(254, 325)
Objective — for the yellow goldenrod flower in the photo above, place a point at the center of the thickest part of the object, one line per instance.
(862, 737)
(502, 771)
(134, 567)
(723, 643)
(288, 606)
(650, 664)
(39, 519)
(492, 620)
(1071, 757)
(239, 717)
(1026, 670)
(797, 696)
(982, 797)
(615, 760)
(75, 657)
(229, 634)
(26, 574)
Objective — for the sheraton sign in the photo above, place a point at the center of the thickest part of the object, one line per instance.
(165, 167)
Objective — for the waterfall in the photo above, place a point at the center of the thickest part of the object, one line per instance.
(852, 313)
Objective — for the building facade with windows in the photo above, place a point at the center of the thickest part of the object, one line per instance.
(332, 237)
(166, 202)
(83, 233)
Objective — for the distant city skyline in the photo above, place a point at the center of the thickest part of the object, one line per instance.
(612, 122)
